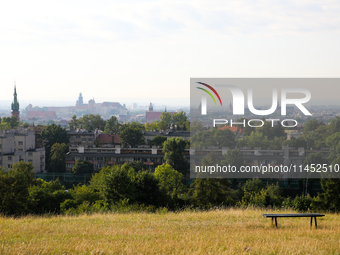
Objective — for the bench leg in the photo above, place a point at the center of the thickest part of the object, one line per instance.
(275, 222)
(316, 225)
(311, 221)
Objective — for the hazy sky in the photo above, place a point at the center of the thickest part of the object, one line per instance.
(113, 50)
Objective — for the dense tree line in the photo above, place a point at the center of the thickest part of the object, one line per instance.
(125, 188)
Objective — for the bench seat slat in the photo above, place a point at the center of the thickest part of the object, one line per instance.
(293, 215)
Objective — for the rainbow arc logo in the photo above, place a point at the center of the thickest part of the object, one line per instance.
(209, 93)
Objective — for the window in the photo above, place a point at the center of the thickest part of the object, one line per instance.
(90, 139)
(30, 161)
(9, 157)
(78, 136)
(20, 149)
(9, 166)
(21, 143)
(0, 146)
(84, 139)
(30, 154)
(71, 140)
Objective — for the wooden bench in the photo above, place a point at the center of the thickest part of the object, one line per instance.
(284, 215)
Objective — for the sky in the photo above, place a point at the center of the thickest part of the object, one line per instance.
(142, 51)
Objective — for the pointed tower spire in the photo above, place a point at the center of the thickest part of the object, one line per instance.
(15, 104)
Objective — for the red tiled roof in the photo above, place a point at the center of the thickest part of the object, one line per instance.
(107, 139)
(233, 129)
(150, 116)
(38, 115)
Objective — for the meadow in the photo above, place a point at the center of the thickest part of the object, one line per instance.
(220, 231)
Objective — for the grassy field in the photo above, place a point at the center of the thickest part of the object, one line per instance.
(230, 231)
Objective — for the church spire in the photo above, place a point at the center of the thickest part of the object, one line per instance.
(15, 104)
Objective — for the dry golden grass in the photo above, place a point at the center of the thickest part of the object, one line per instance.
(230, 231)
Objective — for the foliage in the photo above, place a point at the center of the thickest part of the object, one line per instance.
(10, 122)
(14, 195)
(158, 140)
(170, 181)
(57, 158)
(263, 198)
(46, 197)
(51, 135)
(90, 122)
(311, 125)
(208, 192)
(82, 167)
(112, 126)
(165, 120)
(74, 123)
(214, 138)
(233, 157)
(131, 134)
(256, 139)
(173, 149)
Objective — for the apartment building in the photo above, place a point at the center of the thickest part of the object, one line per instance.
(19, 145)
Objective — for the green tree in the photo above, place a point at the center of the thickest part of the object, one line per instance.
(256, 139)
(315, 158)
(150, 126)
(131, 134)
(146, 188)
(57, 157)
(214, 138)
(208, 192)
(173, 149)
(12, 122)
(46, 197)
(165, 120)
(170, 181)
(158, 140)
(311, 125)
(111, 126)
(82, 167)
(91, 122)
(14, 195)
(74, 123)
(180, 120)
(233, 157)
(51, 135)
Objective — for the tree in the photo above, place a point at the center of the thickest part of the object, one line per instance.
(315, 158)
(14, 195)
(208, 192)
(10, 122)
(180, 120)
(170, 181)
(173, 149)
(165, 120)
(146, 188)
(214, 138)
(271, 132)
(137, 165)
(158, 140)
(74, 123)
(111, 126)
(57, 158)
(256, 139)
(233, 157)
(82, 167)
(131, 134)
(311, 125)
(51, 135)
(117, 184)
(46, 197)
(150, 126)
(91, 122)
